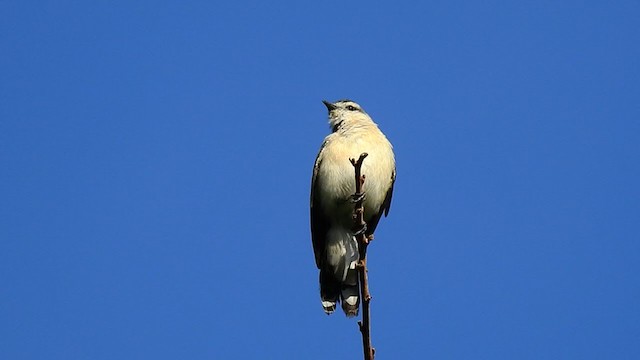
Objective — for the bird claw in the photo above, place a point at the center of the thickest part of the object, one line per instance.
(355, 198)
(361, 230)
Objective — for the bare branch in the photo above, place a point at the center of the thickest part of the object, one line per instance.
(363, 242)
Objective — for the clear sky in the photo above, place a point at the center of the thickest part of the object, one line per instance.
(156, 160)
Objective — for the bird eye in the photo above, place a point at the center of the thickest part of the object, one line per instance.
(351, 108)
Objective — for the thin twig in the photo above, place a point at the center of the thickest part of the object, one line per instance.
(363, 242)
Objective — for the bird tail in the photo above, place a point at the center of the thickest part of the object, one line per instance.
(329, 291)
(338, 276)
(350, 293)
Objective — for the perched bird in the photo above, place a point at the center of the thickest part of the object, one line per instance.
(332, 204)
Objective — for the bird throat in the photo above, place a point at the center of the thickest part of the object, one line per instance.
(337, 126)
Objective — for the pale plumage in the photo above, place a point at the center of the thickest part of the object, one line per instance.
(332, 184)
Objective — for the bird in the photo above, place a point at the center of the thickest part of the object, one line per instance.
(335, 247)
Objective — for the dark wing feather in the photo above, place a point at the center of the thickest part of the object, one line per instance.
(319, 224)
(384, 208)
(386, 205)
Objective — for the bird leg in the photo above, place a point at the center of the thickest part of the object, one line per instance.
(355, 198)
(361, 230)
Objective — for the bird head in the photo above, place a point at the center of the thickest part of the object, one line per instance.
(345, 113)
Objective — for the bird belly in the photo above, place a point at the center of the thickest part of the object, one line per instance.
(338, 184)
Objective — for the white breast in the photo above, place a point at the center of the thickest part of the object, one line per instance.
(336, 177)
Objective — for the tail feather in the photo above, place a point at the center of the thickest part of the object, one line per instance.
(350, 293)
(329, 291)
(338, 276)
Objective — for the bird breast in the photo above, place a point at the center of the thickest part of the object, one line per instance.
(337, 177)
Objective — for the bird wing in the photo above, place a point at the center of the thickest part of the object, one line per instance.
(319, 223)
(384, 208)
(386, 205)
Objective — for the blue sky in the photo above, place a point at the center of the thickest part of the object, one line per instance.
(156, 161)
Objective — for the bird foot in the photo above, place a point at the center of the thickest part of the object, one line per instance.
(355, 198)
(360, 231)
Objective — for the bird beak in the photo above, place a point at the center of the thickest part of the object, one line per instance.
(329, 105)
